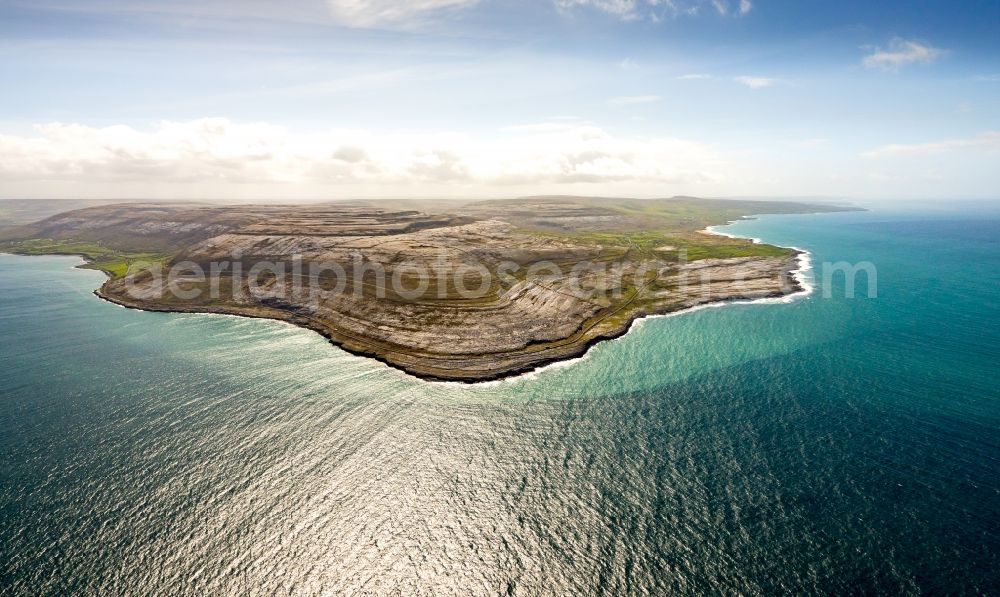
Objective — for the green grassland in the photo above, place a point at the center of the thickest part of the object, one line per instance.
(113, 262)
(671, 229)
(671, 245)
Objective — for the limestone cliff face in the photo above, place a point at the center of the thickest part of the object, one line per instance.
(467, 296)
(502, 326)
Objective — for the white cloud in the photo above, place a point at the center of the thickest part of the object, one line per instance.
(628, 64)
(630, 100)
(373, 13)
(755, 82)
(204, 154)
(354, 13)
(184, 12)
(623, 9)
(694, 77)
(656, 10)
(989, 140)
(724, 8)
(901, 53)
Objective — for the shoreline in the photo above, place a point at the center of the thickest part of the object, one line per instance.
(571, 357)
(803, 259)
(578, 354)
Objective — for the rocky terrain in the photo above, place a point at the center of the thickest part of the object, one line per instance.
(473, 292)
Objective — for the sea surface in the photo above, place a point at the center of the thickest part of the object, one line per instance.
(828, 445)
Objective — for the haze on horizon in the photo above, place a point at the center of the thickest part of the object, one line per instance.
(484, 98)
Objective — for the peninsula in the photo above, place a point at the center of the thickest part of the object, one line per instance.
(445, 291)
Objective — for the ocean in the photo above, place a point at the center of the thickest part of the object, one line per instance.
(827, 445)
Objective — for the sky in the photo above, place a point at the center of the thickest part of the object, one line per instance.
(335, 99)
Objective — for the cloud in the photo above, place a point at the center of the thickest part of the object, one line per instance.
(630, 100)
(657, 10)
(755, 82)
(901, 53)
(724, 8)
(184, 12)
(623, 9)
(374, 13)
(396, 14)
(694, 77)
(203, 154)
(628, 64)
(989, 141)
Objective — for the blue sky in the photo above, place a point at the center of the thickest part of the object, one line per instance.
(466, 98)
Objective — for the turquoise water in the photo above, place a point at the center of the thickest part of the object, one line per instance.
(829, 445)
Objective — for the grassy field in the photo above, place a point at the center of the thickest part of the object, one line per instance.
(115, 263)
(665, 229)
(672, 245)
